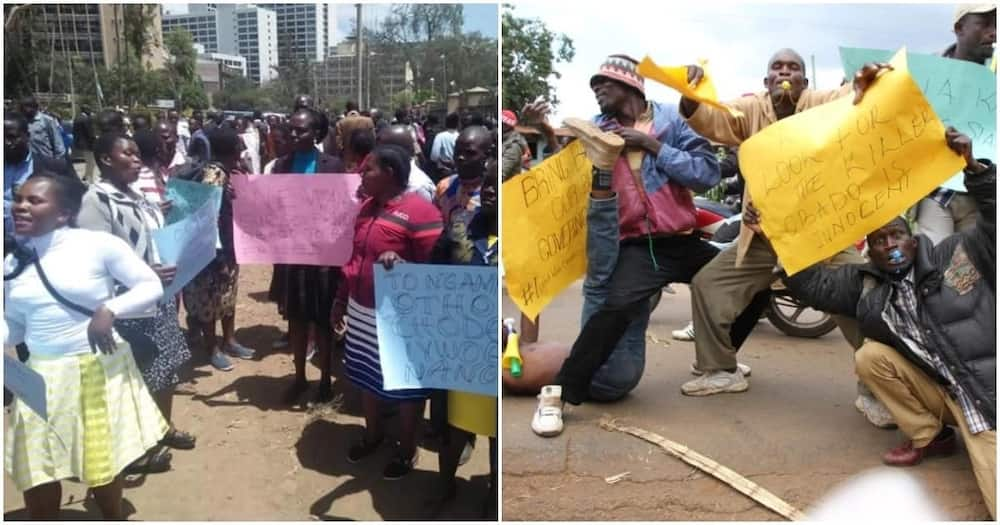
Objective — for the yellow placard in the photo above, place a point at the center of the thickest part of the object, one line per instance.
(824, 178)
(676, 78)
(545, 228)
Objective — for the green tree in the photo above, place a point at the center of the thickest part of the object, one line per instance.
(181, 70)
(411, 33)
(24, 44)
(530, 53)
(138, 22)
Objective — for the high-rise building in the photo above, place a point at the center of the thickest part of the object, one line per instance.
(96, 31)
(245, 30)
(305, 31)
(251, 32)
(201, 24)
(384, 76)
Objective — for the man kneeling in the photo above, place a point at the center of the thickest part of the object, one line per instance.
(929, 317)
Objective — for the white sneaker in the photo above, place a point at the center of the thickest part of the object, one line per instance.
(547, 421)
(716, 383)
(744, 369)
(876, 412)
(684, 334)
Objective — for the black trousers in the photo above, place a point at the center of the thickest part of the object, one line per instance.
(643, 268)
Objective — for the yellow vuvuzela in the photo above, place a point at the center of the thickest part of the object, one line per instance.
(825, 178)
(676, 78)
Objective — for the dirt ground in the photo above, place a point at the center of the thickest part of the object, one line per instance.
(796, 433)
(257, 459)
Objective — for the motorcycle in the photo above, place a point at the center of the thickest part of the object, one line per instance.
(719, 224)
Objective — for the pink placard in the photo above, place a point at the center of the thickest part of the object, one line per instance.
(295, 219)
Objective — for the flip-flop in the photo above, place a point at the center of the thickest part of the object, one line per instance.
(151, 463)
(178, 439)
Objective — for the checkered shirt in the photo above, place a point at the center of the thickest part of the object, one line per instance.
(901, 316)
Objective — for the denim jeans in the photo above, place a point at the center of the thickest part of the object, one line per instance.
(623, 369)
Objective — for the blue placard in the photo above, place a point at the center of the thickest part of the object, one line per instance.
(187, 197)
(189, 245)
(437, 327)
(26, 384)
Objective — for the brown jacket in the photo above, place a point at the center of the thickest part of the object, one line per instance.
(758, 113)
(720, 126)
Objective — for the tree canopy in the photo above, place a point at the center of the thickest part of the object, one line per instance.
(530, 54)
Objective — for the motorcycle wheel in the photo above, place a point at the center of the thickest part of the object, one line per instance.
(797, 320)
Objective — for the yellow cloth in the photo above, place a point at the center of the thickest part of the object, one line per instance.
(101, 418)
(96, 432)
(473, 413)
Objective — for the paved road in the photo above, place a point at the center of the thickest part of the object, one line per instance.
(795, 432)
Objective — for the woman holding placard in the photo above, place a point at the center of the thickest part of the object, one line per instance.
(305, 293)
(100, 416)
(392, 227)
(211, 295)
(112, 206)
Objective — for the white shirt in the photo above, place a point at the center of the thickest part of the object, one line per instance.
(269, 167)
(420, 183)
(252, 151)
(183, 134)
(82, 265)
(148, 185)
(444, 145)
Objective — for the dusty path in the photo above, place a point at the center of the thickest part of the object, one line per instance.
(259, 460)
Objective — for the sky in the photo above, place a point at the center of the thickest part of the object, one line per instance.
(478, 17)
(737, 39)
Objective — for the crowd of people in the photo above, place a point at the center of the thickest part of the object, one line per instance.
(84, 280)
(919, 308)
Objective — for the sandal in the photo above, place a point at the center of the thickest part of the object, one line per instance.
(178, 439)
(151, 463)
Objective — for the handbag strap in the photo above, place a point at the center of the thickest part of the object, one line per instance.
(58, 297)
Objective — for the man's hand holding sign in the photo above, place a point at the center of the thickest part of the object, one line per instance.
(824, 178)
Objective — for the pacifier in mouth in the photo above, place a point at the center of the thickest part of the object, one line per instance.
(786, 85)
(896, 256)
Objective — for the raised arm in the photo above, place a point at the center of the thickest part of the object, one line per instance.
(832, 290)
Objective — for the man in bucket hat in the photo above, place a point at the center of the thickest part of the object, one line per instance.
(646, 160)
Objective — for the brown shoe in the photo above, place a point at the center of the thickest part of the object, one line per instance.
(602, 147)
(906, 455)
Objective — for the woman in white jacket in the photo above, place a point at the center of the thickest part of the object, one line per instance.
(58, 300)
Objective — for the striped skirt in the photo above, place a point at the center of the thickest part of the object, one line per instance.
(361, 358)
(101, 418)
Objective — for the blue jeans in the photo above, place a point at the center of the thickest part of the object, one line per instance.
(623, 369)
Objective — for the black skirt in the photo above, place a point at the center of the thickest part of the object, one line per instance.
(158, 345)
(305, 293)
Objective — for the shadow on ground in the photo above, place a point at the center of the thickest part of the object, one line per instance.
(323, 448)
(85, 510)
